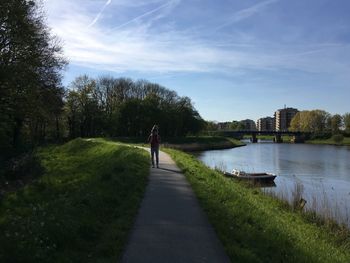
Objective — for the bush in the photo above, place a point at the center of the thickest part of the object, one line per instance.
(23, 166)
(321, 136)
(338, 138)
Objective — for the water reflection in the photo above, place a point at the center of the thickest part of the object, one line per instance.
(323, 171)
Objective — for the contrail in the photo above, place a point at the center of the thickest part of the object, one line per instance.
(100, 13)
(246, 13)
(143, 15)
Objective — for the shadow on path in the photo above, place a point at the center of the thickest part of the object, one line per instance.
(170, 170)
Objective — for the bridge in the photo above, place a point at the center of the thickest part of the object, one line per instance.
(297, 137)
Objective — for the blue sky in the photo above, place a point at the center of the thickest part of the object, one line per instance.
(235, 59)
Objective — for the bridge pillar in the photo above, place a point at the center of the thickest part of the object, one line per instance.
(298, 139)
(278, 138)
(254, 139)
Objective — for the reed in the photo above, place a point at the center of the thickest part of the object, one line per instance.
(317, 209)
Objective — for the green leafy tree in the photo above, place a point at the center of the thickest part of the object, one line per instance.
(30, 80)
(236, 125)
(295, 124)
(346, 119)
(122, 107)
(84, 114)
(310, 121)
(210, 126)
(336, 122)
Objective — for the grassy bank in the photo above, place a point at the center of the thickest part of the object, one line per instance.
(201, 143)
(82, 207)
(254, 227)
(330, 141)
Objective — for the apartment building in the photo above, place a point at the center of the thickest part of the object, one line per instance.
(283, 118)
(266, 124)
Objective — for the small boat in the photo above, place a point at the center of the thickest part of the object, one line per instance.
(262, 177)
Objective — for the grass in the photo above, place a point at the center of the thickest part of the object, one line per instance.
(330, 141)
(254, 227)
(82, 207)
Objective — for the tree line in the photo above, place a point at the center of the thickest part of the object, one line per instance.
(35, 107)
(320, 122)
(109, 106)
(31, 62)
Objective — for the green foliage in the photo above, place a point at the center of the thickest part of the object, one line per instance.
(315, 121)
(346, 119)
(254, 227)
(331, 141)
(30, 88)
(338, 138)
(80, 210)
(237, 126)
(22, 167)
(336, 122)
(122, 107)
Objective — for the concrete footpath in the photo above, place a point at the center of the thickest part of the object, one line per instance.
(170, 225)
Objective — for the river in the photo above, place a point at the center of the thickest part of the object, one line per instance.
(322, 171)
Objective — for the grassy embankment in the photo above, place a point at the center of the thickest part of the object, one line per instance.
(80, 209)
(330, 141)
(254, 227)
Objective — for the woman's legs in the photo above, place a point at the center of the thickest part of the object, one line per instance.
(157, 156)
(155, 151)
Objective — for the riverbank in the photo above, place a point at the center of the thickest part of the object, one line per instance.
(80, 209)
(202, 143)
(330, 141)
(254, 227)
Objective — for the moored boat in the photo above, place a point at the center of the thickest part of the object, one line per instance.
(265, 177)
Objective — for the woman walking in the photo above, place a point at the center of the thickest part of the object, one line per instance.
(154, 140)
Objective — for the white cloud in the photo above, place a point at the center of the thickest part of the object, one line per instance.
(139, 45)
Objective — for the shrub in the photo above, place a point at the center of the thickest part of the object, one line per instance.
(338, 138)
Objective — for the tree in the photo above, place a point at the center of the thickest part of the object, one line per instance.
(210, 126)
(84, 114)
(237, 126)
(295, 123)
(346, 119)
(30, 80)
(122, 107)
(310, 121)
(336, 123)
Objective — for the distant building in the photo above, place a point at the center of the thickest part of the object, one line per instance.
(266, 124)
(249, 125)
(283, 118)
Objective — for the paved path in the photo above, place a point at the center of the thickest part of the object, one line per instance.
(171, 226)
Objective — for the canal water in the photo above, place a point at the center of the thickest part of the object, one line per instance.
(322, 172)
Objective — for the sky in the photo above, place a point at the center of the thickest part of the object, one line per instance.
(236, 59)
